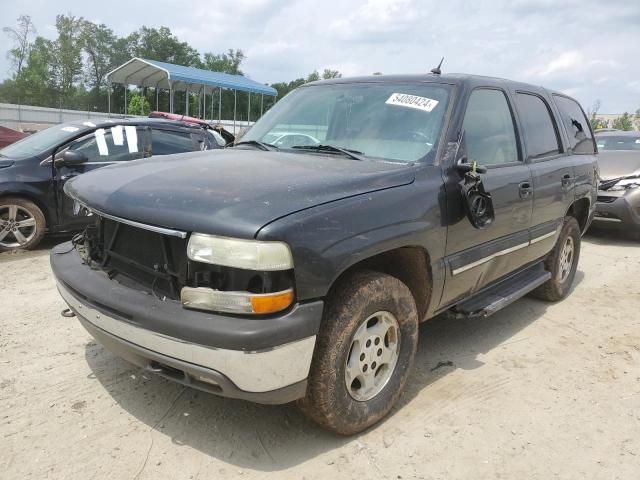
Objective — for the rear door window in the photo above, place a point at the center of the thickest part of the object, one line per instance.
(540, 131)
(166, 142)
(576, 124)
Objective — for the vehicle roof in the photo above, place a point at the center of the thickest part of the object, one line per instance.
(102, 123)
(619, 133)
(465, 79)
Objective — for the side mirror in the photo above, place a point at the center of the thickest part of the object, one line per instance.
(477, 202)
(71, 157)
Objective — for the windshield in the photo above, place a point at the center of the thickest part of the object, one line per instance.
(40, 142)
(391, 121)
(630, 142)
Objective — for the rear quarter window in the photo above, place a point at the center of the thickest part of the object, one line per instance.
(540, 131)
(576, 124)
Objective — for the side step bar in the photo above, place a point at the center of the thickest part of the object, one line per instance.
(496, 297)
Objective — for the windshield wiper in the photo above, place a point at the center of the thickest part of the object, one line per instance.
(355, 154)
(256, 143)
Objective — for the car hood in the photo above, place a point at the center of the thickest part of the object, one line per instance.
(618, 163)
(231, 192)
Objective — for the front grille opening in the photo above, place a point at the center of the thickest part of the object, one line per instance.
(158, 264)
(606, 199)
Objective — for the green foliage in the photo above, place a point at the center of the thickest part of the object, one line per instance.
(20, 35)
(224, 62)
(624, 122)
(139, 105)
(70, 71)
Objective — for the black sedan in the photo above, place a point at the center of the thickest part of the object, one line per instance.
(34, 170)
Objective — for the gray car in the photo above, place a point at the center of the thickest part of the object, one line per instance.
(618, 205)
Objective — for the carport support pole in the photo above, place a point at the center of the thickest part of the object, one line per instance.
(157, 98)
(249, 110)
(109, 98)
(204, 102)
(220, 107)
(261, 103)
(186, 101)
(125, 99)
(235, 104)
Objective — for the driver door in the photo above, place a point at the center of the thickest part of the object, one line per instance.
(476, 257)
(101, 147)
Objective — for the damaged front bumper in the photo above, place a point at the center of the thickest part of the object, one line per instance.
(261, 360)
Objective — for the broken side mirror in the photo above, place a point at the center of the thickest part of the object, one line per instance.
(477, 202)
(70, 158)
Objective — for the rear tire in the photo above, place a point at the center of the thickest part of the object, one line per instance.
(562, 262)
(22, 224)
(364, 353)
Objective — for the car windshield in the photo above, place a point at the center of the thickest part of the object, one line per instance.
(42, 141)
(630, 142)
(391, 121)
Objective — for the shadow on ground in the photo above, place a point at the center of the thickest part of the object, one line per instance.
(270, 438)
(43, 248)
(601, 236)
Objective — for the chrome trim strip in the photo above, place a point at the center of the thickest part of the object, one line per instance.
(144, 226)
(260, 371)
(606, 219)
(468, 266)
(471, 265)
(542, 237)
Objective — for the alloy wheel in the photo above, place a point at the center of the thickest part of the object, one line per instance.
(373, 356)
(17, 226)
(566, 259)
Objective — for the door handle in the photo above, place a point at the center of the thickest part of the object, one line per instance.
(525, 189)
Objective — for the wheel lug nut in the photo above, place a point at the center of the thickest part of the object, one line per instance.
(368, 343)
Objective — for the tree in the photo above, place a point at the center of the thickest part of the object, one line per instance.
(160, 44)
(20, 36)
(623, 122)
(139, 105)
(34, 83)
(313, 76)
(592, 113)
(98, 43)
(225, 62)
(328, 73)
(67, 55)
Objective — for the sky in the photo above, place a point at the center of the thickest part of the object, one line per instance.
(588, 49)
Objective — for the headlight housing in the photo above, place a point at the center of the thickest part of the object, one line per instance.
(270, 259)
(625, 184)
(239, 253)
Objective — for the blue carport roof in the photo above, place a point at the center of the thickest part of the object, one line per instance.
(152, 73)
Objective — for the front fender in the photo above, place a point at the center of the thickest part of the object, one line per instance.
(329, 239)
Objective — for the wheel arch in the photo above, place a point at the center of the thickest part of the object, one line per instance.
(411, 265)
(580, 211)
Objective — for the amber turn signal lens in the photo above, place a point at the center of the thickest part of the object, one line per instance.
(267, 303)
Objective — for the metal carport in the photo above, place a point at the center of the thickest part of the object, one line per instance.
(178, 78)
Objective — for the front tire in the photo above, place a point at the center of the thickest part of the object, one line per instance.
(562, 262)
(364, 353)
(22, 224)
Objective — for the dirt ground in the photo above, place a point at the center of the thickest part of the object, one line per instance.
(537, 391)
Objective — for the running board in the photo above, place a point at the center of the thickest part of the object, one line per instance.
(503, 293)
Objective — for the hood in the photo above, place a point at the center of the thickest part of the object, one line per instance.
(4, 163)
(230, 192)
(618, 163)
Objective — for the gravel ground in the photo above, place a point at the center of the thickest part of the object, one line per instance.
(537, 391)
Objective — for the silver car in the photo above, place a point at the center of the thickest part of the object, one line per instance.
(618, 203)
